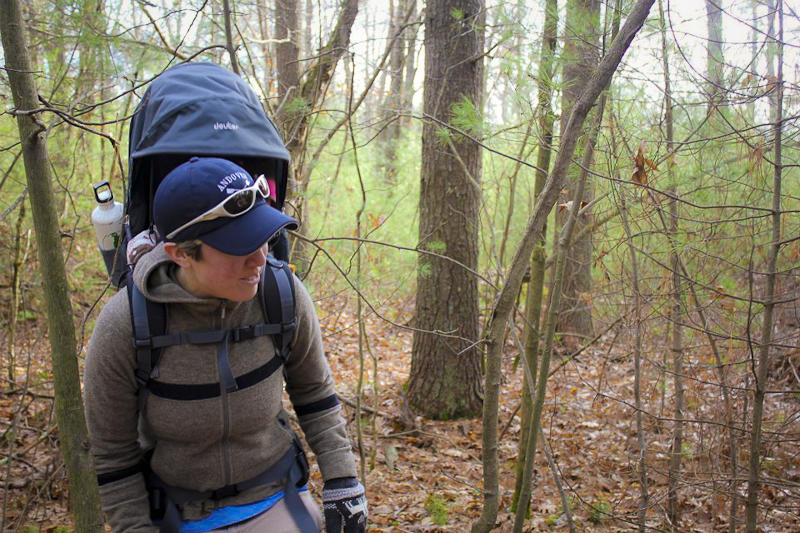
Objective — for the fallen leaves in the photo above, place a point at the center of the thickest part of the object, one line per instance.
(588, 424)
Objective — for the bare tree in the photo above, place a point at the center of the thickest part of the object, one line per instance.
(715, 77)
(309, 93)
(761, 367)
(495, 331)
(392, 133)
(533, 302)
(287, 52)
(579, 57)
(68, 402)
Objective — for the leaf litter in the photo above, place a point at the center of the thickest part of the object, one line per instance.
(428, 474)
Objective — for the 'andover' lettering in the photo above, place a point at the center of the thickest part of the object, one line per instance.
(230, 178)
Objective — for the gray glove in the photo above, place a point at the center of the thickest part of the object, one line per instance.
(345, 506)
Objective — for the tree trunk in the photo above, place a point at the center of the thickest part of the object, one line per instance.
(533, 303)
(73, 435)
(637, 369)
(392, 134)
(676, 310)
(564, 243)
(715, 90)
(580, 57)
(17, 261)
(286, 56)
(762, 373)
(505, 301)
(308, 41)
(226, 10)
(445, 380)
(410, 38)
(309, 94)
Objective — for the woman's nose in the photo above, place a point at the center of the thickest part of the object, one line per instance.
(259, 257)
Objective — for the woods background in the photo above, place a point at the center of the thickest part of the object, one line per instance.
(484, 207)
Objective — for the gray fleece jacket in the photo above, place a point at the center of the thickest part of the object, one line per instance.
(208, 443)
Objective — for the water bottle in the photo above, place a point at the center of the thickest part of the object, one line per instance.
(107, 219)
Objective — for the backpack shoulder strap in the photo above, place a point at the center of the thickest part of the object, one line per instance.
(278, 302)
(149, 320)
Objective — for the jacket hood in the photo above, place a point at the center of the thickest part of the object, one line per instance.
(155, 276)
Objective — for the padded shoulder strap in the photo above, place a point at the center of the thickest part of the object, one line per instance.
(277, 292)
(149, 320)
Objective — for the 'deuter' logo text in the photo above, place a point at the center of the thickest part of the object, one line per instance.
(225, 126)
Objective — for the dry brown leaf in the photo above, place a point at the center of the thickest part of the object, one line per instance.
(641, 164)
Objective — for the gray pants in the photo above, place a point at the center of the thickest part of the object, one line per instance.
(277, 519)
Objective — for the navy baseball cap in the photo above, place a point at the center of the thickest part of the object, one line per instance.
(198, 189)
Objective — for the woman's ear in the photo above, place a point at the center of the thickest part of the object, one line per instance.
(177, 255)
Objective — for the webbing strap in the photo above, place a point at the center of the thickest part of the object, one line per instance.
(117, 475)
(147, 354)
(217, 335)
(278, 283)
(227, 381)
(204, 391)
(142, 312)
(318, 406)
(290, 467)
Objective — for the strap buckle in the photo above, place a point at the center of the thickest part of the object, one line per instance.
(138, 343)
(244, 333)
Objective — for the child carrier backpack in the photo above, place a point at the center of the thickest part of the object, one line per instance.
(198, 109)
(202, 109)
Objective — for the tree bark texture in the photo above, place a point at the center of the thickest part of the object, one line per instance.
(505, 301)
(445, 380)
(73, 435)
(580, 58)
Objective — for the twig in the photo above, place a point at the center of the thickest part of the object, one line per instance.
(569, 358)
(510, 419)
(167, 47)
(18, 455)
(470, 485)
(315, 243)
(366, 409)
(794, 370)
(13, 206)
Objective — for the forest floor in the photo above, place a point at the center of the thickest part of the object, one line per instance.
(427, 475)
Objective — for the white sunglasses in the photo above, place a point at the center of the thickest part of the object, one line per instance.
(234, 205)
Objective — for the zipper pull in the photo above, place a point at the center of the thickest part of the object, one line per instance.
(223, 309)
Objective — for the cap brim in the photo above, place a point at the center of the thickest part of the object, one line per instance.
(245, 234)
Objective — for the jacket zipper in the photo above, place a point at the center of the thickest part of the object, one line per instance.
(226, 463)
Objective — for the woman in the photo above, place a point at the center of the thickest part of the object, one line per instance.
(212, 423)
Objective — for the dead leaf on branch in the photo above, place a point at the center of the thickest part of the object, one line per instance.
(772, 83)
(641, 166)
(568, 205)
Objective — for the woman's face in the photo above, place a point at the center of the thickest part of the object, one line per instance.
(220, 275)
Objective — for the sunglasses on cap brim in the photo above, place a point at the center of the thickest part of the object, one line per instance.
(233, 206)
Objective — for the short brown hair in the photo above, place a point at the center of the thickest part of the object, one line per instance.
(191, 248)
